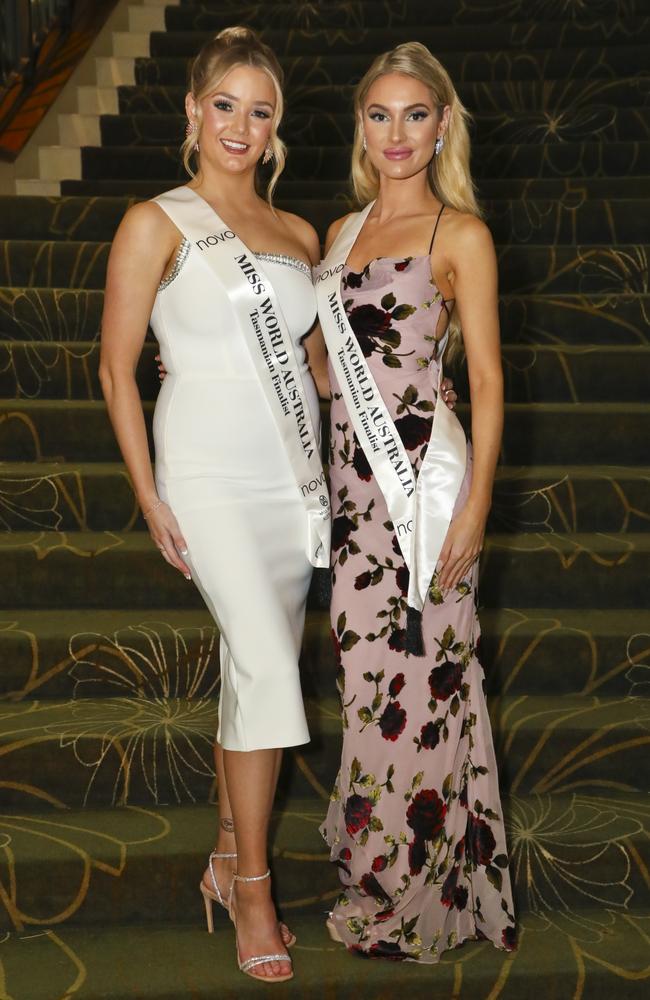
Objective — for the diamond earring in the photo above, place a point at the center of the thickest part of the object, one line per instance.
(440, 142)
(268, 154)
(365, 144)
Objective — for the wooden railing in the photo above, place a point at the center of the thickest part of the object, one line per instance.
(24, 25)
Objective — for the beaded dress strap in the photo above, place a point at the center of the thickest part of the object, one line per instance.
(284, 258)
(181, 257)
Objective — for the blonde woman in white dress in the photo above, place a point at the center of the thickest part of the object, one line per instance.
(227, 507)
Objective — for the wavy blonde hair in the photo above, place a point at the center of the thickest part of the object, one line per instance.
(449, 173)
(232, 47)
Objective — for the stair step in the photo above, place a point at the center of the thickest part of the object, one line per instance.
(323, 95)
(587, 319)
(589, 270)
(30, 187)
(572, 220)
(452, 41)
(342, 68)
(67, 218)
(47, 569)
(589, 159)
(533, 373)
(65, 370)
(167, 849)
(80, 129)
(212, 15)
(607, 319)
(50, 654)
(116, 71)
(604, 121)
(153, 963)
(59, 162)
(584, 188)
(57, 264)
(109, 669)
(96, 496)
(132, 44)
(93, 100)
(148, 17)
(535, 433)
(580, 374)
(158, 750)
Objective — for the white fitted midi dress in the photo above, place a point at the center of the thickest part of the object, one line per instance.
(222, 468)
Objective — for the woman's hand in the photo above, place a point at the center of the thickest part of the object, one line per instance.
(448, 394)
(461, 548)
(163, 528)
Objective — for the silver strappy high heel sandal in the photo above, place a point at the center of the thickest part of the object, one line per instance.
(252, 963)
(214, 895)
(333, 930)
(211, 896)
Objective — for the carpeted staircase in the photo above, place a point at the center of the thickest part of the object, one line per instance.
(108, 665)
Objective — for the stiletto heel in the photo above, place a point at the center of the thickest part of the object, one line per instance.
(252, 963)
(215, 896)
(208, 909)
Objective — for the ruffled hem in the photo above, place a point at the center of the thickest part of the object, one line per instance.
(426, 957)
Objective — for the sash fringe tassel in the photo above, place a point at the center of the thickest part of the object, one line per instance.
(414, 639)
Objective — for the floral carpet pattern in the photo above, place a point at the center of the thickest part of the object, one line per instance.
(108, 663)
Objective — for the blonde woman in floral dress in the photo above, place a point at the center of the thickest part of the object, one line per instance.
(415, 823)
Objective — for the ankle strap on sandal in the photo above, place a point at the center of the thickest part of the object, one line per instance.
(251, 878)
(220, 855)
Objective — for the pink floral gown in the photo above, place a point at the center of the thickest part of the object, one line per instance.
(414, 823)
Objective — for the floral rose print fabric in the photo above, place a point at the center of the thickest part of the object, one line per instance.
(415, 823)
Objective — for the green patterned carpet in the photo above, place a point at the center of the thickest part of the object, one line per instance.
(108, 667)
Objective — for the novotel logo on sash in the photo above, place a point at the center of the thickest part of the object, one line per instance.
(215, 239)
(329, 272)
(312, 486)
(404, 528)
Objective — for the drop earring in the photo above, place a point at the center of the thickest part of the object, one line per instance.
(440, 142)
(364, 144)
(268, 154)
(190, 129)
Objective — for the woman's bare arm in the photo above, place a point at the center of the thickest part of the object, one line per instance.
(474, 265)
(142, 246)
(314, 342)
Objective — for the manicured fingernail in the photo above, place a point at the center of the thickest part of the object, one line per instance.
(187, 576)
(183, 552)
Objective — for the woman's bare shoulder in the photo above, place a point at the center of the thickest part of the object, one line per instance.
(335, 228)
(466, 232)
(145, 239)
(147, 231)
(146, 220)
(302, 231)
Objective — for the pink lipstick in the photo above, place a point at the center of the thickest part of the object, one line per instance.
(398, 153)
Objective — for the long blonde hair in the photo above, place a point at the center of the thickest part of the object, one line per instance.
(449, 173)
(236, 46)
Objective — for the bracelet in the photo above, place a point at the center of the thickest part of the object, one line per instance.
(147, 513)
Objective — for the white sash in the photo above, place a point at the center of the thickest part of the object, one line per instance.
(420, 511)
(267, 337)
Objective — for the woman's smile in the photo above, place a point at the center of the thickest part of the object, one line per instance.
(234, 146)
